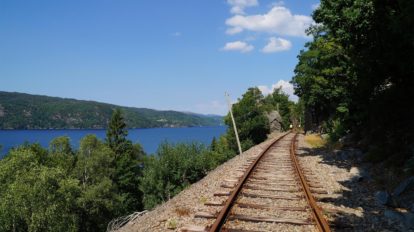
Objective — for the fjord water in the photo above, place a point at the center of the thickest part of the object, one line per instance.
(148, 138)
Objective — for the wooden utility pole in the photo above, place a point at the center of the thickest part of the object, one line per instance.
(234, 122)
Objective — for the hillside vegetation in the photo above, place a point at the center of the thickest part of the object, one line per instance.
(63, 189)
(355, 77)
(25, 111)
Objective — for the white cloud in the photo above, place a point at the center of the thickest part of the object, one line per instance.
(238, 6)
(238, 46)
(284, 85)
(315, 6)
(277, 45)
(279, 20)
(234, 30)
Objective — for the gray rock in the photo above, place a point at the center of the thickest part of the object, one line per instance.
(359, 174)
(343, 155)
(393, 215)
(357, 155)
(346, 140)
(382, 197)
(405, 218)
(275, 121)
(350, 153)
(403, 186)
(409, 220)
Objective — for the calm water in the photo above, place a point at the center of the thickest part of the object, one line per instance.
(148, 138)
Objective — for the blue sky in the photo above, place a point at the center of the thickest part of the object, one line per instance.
(179, 55)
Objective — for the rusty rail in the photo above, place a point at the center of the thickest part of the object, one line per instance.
(317, 215)
(320, 221)
(221, 219)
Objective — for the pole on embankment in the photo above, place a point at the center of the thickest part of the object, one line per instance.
(234, 122)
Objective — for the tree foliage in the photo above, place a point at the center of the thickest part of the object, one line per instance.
(252, 124)
(279, 101)
(356, 76)
(128, 158)
(174, 167)
(60, 189)
(35, 197)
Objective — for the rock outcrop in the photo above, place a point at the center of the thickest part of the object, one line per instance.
(275, 121)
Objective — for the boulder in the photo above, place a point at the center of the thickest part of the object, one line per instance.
(403, 186)
(359, 174)
(382, 197)
(275, 121)
(393, 215)
(349, 153)
(407, 218)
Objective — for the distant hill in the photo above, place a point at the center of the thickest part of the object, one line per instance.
(26, 111)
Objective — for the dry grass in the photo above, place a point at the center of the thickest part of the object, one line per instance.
(182, 211)
(171, 224)
(315, 141)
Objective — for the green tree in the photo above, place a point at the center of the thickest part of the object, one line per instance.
(61, 145)
(128, 162)
(98, 201)
(173, 168)
(354, 73)
(323, 80)
(61, 154)
(35, 197)
(252, 124)
(116, 133)
(213, 145)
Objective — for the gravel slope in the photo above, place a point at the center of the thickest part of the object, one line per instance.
(349, 204)
(180, 210)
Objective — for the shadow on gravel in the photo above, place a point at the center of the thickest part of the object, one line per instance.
(357, 193)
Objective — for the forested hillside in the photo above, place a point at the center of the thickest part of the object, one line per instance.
(356, 77)
(25, 111)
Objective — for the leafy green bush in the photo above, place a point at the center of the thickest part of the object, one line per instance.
(173, 168)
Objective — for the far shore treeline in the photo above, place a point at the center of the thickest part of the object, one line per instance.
(62, 189)
(27, 111)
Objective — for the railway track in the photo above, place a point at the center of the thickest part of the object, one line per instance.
(269, 193)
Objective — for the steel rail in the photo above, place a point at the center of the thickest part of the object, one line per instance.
(321, 223)
(221, 219)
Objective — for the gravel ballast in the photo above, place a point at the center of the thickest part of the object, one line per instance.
(180, 210)
(349, 205)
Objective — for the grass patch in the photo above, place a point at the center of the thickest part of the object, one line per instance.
(182, 211)
(171, 224)
(315, 141)
(203, 200)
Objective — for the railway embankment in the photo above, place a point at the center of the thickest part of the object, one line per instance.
(349, 201)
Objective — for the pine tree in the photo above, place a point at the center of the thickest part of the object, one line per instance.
(213, 145)
(128, 158)
(116, 133)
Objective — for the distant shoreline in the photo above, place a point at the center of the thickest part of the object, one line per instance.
(132, 128)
